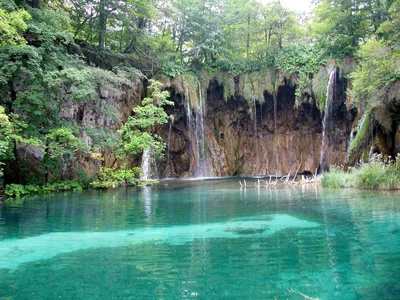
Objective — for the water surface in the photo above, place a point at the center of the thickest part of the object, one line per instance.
(205, 240)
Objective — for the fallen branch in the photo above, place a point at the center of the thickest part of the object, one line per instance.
(301, 294)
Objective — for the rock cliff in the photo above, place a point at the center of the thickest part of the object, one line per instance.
(260, 138)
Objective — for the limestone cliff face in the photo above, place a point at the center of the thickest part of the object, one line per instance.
(275, 137)
(385, 136)
(108, 112)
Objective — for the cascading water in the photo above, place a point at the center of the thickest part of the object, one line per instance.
(275, 111)
(188, 111)
(195, 124)
(169, 166)
(255, 114)
(145, 165)
(201, 168)
(255, 130)
(354, 131)
(149, 166)
(328, 107)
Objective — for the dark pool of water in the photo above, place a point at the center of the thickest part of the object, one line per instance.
(205, 240)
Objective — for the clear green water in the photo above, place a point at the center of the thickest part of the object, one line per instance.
(205, 240)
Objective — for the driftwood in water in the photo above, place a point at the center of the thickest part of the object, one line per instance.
(284, 180)
(303, 295)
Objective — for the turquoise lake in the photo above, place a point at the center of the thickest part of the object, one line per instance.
(204, 240)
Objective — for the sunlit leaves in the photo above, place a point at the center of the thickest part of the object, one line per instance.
(12, 25)
(379, 65)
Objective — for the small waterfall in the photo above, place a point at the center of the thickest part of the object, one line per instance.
(275, 111)
(145, 165)
(275, 115)
(149, 166)
(169, 167)
(354, 131)
(255, 134)
(255, 114)
(328, 105)
(188, 111)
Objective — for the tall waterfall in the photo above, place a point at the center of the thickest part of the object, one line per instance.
(196, 125)
(149, 167)
(255, 133)
(328, 107)
(276, 154)
(202, 159)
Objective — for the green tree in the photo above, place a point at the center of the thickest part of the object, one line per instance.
(341, 25)
(11, 26)
(379, 66)
(137, 133)
(40, 79)
(61, 145)
(11, 129)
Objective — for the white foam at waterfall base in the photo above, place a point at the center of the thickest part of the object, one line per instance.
(14, 252)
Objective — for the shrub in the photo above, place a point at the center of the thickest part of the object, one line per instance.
(337, 178)
(112, 178)
(377, 174)
(19, 190)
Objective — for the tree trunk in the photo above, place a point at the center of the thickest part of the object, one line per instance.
(46, 168)
(102, 24)
(13, 167)
(248, 37)
(269, 36)
(34, 3)
(174, 33)
(130, 46)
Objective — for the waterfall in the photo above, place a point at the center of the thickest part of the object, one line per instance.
(201, 168)
(145, 165)
(275, 114)
(149, 166)
(255, 133)
(354, 131)
(275, 111)
(169, 167)
(188, 111)
(195, 125)
(255, 114)
(327, 114)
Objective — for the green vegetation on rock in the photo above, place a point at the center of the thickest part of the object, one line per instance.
(378, 174)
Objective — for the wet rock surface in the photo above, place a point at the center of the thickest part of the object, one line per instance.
(282, 140)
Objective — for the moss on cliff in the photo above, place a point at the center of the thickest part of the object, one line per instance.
(319, 85)
(362, 139)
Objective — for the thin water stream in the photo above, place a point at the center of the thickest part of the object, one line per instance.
(327, 115)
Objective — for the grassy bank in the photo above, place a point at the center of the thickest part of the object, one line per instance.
(378, 174)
